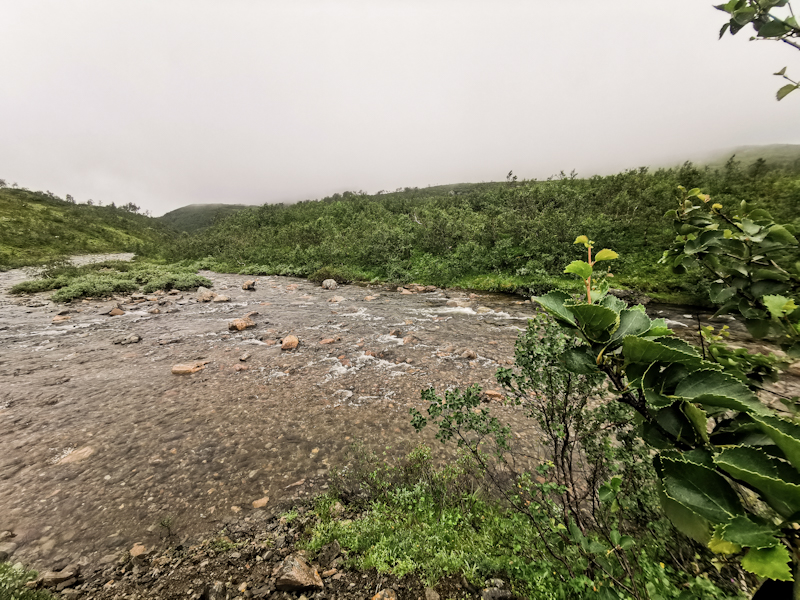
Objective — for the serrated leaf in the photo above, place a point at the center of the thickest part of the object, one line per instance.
(720, 546)
(580, 268)
(741, 530)
(711, 382)
(697, 417)
(631, 322)
(686, 521)
(613, 303)
(786, 436)
(778, 305)
(553, 303)
(777, 481)
(772, 563)
(597, 322)
(640, 350)
(605, 254)
(699, 489)
(750, 406)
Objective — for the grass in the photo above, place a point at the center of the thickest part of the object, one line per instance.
(12, 584)
(108, 278)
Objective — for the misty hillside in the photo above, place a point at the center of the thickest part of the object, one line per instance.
(195, 217)
(776, 156)
(35, 226)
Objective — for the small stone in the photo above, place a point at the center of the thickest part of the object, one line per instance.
(329, 573)
(794, 369)
(61, 318)
(387, 594)
(294, 573)
(189, 368)
(154, 311)
(405, 293)
(205, 295)
(371, 298)
(127, 339)
(241, 324)
(493, 395)
(337, 299)
(137, 550)
(327, 341)
(77, 455)
(289, 342)
(469, 354)
(250, 285)
(431, 594)
(329, 284)
(53, 578)
(220, 298)
(329, 552)
(396, 333)
(482, 310)
(115, 312)
(238, 368)
(409, 339)
(261, 502)
(244, 356)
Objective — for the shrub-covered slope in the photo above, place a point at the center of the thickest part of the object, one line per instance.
(195, 217)
(36, 226)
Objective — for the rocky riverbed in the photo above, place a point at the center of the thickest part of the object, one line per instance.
(101, 440)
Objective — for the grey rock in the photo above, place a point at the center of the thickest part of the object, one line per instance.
(494, 593)
(217, 591)
(329, 284)
(294, 573)
(430, 594)
(328, 553)
(127, 339)
(7, 550)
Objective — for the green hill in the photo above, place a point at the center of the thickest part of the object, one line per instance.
(37, 226)
(195, 217)
(786, 156)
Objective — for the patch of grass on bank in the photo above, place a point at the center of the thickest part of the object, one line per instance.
(107, 278)
(12, 584)
(412, 518)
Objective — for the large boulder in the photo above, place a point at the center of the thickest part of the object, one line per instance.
(329, 284)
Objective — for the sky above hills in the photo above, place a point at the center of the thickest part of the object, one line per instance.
(191, 101)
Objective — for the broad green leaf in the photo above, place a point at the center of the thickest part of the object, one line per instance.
(699, 489)
(697, 417)
(766, 287)
(613, 303)
(759, 328)
(631, 322)
(775, 28)
(553, 303)
(656, 400)
(785, 434)
(580, 268)
(720, 546)
(597, 322)
(778, 305)
(777, 481)
(605, 254)
(686, 521)
(710, 382)
(581, 239)
(785, 91)
(772, 563)
(640, 350)
(741, 530)
(750, 406)
(580, 361)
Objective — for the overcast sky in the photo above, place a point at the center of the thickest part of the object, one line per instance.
(172, 102)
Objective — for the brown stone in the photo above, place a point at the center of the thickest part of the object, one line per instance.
(336, 299)
(250, 285)
(77, 455)
(469, 354)
(794, 369)
(53, 578)
(289, 342)
(154, 311)
(409, 339)
(294, 573)
(371, 298)
(329, 573)
(115, 312)
(137, 550)
(387, 594)
(493, 395)
(241, 368)
(292, 287)
(188, 368)
(60, 318)
(220, 298)
(396, 333)
(327, 341)
(407, 293)
(241, 324)
(261, 502)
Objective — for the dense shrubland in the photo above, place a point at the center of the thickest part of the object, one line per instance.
(505, 236)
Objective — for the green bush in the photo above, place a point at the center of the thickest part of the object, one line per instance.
(12, 584)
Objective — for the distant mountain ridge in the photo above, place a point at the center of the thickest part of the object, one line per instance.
(776, 155)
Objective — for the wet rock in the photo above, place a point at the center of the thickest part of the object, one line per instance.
(61, 318)
(495, 395)
(124, 340)
(241, 324)
(115, 312)
(371, 298)
(294, 573)
(387, 594)
(244, 356)
(188, 368)
(217, 591)
(154, 311)
(327, 341)
(329, 284)
(250, 285)
(289, 342)
(396, 333)
(404, 291)
(7, 550)
(482, 310)
(469, 354)
(221, 298)
(205, 295)
(53, 578)
(137, 550)
(328, 553)
(336, 299)
(77, 455)
(458, 303)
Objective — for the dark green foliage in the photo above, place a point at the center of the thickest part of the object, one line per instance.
(196, 217)
(12, 584)
(107, 278)
(35, 227)
(503, 236)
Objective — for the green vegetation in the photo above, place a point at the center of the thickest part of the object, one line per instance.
(196, 217)
(12, 584)
(104, 279)
(37, 226)
(512, 236)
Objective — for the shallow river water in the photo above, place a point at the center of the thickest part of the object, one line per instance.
(99, 441)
